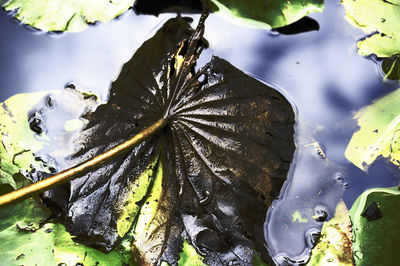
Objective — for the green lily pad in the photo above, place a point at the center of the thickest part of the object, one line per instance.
(378, 134)
(375, 218)
(52, 245)
(22, 237)
(66, 15)
(379, 17)
(334, 246)
(27, 248)
(267, 13)
(26, 238)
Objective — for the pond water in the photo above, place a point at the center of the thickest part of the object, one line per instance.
(319, 71)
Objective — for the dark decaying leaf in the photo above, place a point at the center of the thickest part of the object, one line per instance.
(217, 165)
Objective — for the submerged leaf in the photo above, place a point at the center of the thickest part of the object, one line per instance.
(208, 176)
(378, 134)
(379, 18)
(65, 15)
(376, 241)
(267, 13)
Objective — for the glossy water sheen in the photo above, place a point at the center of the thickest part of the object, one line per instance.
(318, 71)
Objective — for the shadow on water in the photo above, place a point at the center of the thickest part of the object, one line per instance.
(319, 70)
(380, 174)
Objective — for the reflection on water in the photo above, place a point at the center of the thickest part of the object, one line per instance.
(34, 61)
(319, 71)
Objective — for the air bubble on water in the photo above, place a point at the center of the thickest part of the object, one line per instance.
(312, 236)
(339, 179)
(35, 123)
(50, 102)
(70, 85)
(205, 199)
(358, 254)
(233, 262)
(282, 260)
(320, 213)
(273, 33)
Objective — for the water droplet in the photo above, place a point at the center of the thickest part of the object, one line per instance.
(312, 236)
(35, 123)
(283, 260)
(21, 256)
(358, 254)
(339, 179)
(321, 213)
(52, 169)
(206, 199)
(70, 86)
(51, 102)
(273, 33)
(234, 262)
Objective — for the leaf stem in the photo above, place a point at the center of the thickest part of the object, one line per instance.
(82, 168)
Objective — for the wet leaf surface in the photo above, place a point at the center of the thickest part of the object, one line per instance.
(378, 133)
(376, 240)
(65, 15)
(380, 19)
(210, 174)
